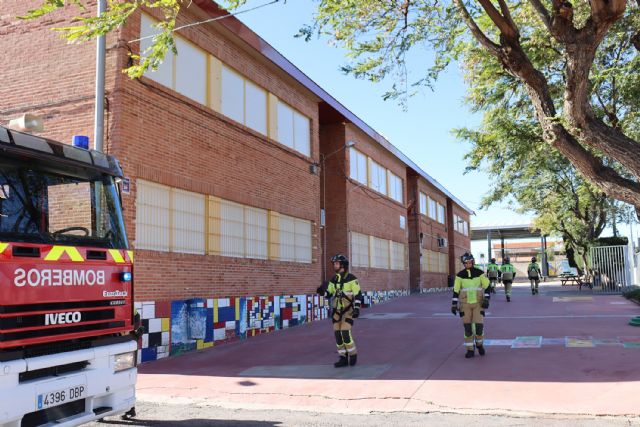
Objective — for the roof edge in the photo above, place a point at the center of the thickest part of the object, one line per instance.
(247, 35)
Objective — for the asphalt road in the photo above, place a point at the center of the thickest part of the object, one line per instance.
(189, 415)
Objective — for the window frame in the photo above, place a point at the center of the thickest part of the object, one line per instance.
(423, 206)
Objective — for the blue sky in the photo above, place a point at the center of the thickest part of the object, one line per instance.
(423, 132)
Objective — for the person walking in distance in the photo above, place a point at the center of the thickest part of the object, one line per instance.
(493, 271)
(344, 290)
(534, 273)
(470, 299)
(508, 273)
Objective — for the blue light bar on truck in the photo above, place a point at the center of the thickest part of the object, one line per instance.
(35, 146)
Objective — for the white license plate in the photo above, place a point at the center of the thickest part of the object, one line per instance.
(61, 396)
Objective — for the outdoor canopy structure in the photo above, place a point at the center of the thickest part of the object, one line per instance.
(511, 231)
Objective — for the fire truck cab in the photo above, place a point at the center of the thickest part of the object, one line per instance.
(67, 352)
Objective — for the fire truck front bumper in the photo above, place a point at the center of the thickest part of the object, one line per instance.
(68, 389)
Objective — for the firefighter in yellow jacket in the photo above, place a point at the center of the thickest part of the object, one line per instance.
(345, 306)
(470, 299)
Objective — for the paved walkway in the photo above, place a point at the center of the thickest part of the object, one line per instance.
(575, 355)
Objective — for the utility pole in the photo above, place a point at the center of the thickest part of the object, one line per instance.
(98, 135)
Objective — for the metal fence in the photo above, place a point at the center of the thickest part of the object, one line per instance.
(611, 268)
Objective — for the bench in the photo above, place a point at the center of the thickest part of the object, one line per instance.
(574, 280)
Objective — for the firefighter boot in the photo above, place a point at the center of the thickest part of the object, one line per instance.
(508, 298)
(342, 362)
(469, 354)
(481, 350)
(353, 360)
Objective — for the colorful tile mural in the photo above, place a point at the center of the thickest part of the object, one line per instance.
(175, 327)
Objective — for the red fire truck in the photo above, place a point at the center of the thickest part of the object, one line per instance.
(67, 352)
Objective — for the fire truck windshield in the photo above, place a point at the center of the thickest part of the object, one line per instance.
(40, 206)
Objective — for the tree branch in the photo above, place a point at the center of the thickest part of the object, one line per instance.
(500, 21)
(476, 31)
(504, 8)
(543, 13)
(635, 40)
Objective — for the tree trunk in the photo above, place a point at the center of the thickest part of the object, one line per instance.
(571, 256)
(585, 261)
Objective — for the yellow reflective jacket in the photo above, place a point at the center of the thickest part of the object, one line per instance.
(469, 286)
(344, 288)
(492, 267)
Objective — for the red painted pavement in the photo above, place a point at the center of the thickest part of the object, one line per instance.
(422, 363)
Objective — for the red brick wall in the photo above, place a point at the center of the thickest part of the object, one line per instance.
(432, 230)
(458, 242)
(375, 214)
(43, 74)
(166, 138)
(333, 196)
(163, 137)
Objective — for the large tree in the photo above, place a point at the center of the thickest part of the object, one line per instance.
(539, 180)
(520, 38)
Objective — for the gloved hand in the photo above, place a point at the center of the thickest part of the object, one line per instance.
(322, 289)
(356, 312)
(462, 314)
(454, 309)
(485, 303)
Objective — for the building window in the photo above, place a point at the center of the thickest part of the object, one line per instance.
(186, 73)
(434, 262)
(256, 233)
(164, 73)
(295, 239)
(441, 214)
(237, 230)
(397, 256)
(153, 212)
(444, 263)
(255, 107)
(169, 219)
(423, 203)
(395, 187)
(190, 72)
(358, 166)
(460, 225)
(243, 101)
(231, 232)
(403, 222)
(379, 253)
(294, 129)
(359, 250)
(432, 208)
(188, 219)
(377, 177)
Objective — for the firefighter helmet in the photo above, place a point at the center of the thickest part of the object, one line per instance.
(467, 257)
(343, 260)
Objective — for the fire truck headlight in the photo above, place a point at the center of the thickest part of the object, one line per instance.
(124, 361)
(126, 276)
